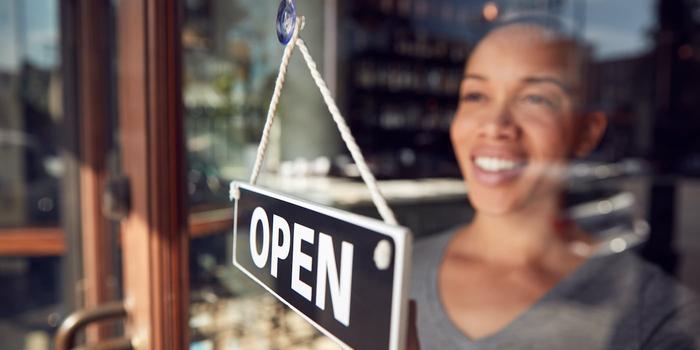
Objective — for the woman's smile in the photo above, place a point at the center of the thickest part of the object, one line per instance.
(493, 166)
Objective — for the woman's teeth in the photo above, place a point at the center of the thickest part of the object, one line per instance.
(497, 164)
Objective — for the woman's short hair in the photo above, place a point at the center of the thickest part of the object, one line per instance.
(557, 30)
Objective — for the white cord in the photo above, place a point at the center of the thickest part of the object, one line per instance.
(346, 135)
(386, 213)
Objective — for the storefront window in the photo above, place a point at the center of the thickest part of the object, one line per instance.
(396, 68)
(31, 108)
(571, 118)
(230, 64)
(31, 94)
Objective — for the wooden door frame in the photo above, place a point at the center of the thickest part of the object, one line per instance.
(154, 235)
(93, 53)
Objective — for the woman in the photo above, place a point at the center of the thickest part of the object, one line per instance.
(518, 276)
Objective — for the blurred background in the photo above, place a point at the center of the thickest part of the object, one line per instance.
(78, 165)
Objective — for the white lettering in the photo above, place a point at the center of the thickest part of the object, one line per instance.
(299, 259)
(280, 250)
(328, 275)
(259, 215)
(340, 290)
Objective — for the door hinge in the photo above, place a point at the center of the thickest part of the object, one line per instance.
(116, 199)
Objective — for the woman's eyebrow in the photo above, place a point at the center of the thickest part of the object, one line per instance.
(474, 76)
(544, 80)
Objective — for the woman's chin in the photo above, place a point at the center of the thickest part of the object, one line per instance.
(493, 206)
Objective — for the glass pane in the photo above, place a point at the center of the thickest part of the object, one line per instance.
(31, 95)
(40, 253)
(230, 64)
(575, 117)
(32, 307)
(30, 108)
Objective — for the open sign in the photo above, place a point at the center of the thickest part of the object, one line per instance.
(344, 273)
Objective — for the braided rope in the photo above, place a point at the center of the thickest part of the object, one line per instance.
(346, 135)
(386, 213)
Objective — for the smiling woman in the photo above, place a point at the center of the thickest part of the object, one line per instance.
(519, 120)
(521, 275)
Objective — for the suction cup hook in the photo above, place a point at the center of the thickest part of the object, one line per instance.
(286, 20)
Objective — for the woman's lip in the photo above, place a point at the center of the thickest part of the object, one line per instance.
(498, 152)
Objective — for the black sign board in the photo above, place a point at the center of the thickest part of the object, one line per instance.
(346, 274)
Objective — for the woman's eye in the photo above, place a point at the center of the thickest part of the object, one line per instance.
(539, 100)
(473, 97)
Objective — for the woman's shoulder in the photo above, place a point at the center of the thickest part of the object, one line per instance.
(628, 271)
(631, 279)
(647, 303)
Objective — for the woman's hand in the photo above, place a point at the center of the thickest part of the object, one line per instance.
(412, 333)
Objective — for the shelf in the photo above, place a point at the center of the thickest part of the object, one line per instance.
(210, 222)
(347, 193)
(51, 241)
(404, 95)
(435, 25)
(402, 58)
(32, 241)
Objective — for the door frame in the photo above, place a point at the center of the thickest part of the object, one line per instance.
(93, 50)
(154, 234)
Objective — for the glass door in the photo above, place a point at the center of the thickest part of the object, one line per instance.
(34, 259)
(230, 57)
(121, 123)
(92, 191)
(57, 250)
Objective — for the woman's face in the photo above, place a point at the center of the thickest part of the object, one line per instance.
(515, 125)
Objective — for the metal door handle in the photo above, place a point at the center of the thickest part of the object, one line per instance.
(65, 337)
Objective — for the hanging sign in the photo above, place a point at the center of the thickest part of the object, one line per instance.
(346, 274)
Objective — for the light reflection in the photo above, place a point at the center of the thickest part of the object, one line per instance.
(618, 245)
(490, 11)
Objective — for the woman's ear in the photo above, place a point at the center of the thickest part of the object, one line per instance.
(592, 128)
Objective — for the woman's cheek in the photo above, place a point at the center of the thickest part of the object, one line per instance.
(550, 147)
(551, 137)
(460, 131)
(461, 125)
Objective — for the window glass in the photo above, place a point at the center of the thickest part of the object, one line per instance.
(583, 107)
(31, 112)
(231, 56)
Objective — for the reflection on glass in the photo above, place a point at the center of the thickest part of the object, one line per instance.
(30, 107)
(400, 67)
(30, 301)
(228, 310)
(231, 56)
(549, 238)
(230, 63)
(30, 170)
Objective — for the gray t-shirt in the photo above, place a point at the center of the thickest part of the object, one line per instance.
(610, 302)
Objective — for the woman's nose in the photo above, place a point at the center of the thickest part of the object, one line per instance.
(499, 125)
